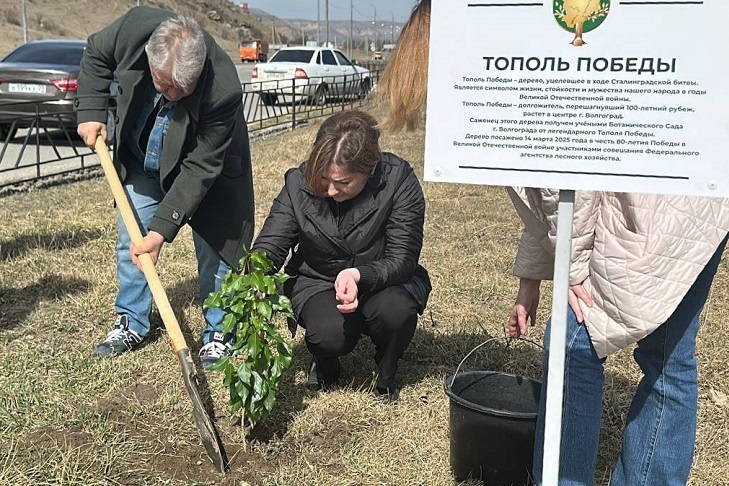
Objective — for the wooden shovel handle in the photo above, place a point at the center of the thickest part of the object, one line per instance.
(150, 272)
(206, 428)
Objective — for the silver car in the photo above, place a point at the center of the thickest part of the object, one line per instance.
(38, 83)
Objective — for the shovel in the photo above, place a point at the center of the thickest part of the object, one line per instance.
(208, 434)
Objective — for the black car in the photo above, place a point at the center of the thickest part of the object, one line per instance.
(39, 78)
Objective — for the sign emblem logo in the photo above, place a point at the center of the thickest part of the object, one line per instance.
(580, 16)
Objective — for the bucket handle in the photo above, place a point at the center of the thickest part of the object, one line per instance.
(508, 343)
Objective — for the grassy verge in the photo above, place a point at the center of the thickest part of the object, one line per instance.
(68, 419)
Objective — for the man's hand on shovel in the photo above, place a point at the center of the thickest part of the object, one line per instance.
(152, 244)
(90, 131)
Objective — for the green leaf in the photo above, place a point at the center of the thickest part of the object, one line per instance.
(270, 285)
(269, 401)
(243, 392)
(275, 369)
(234, 405)
(229, 322)
(239, 308)
(257, 386)
(284, 350)
(285, 361)
(213, 300)
(256, 280)
(252, 415)
(254, 344)
(261, 261)
(244, 374)
(221, 364)
(284, 302)
(265, 309)
(229, 371)
(238, 285)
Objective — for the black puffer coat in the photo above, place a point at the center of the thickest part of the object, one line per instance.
(380, 233)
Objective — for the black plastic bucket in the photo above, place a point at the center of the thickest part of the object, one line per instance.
(492, 420)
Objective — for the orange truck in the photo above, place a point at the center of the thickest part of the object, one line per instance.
(255, 50)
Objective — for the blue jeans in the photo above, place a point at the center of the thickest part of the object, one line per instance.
(134, 297)
(660, 429)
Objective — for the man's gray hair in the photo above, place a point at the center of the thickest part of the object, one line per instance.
(177, 47)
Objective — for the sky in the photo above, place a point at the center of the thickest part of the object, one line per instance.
(338, 9)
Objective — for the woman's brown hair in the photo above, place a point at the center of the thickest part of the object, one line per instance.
(404, 82)
(349, 139)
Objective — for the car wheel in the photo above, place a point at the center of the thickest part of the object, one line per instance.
(269, 99)
(364, 88)
(7, 132)
(320, 97)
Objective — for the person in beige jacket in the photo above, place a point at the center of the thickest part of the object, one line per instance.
(641, 269)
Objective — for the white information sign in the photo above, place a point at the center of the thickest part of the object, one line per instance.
(627, 96)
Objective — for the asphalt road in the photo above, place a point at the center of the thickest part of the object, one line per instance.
(244, 71)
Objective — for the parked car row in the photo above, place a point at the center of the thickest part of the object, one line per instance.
(39, 77)
(315, 73)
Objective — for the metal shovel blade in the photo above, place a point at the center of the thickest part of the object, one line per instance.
(208, 433)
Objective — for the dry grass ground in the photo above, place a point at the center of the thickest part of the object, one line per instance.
(68, 419)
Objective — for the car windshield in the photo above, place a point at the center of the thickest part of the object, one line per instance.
(292, 55)
(248, 44)
(47, 53)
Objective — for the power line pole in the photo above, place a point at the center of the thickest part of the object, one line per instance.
(375, 23)
(25, 23)
(318, 23)
(351, 27)
(392, 29)
(326, 6)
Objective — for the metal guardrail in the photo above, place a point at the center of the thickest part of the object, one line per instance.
(39, 146)
(290, 102)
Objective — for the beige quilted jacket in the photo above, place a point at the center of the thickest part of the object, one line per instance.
(637, 254)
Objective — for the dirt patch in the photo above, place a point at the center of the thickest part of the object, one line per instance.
(186, 461)
(115, 407)
(42, 441)
(190, 464)
(145, 393)
(330, 435)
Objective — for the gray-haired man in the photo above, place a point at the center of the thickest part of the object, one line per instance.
(181, 150)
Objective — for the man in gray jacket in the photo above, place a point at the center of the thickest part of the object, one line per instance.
(181, 150)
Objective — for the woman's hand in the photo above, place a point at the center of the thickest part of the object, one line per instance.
(151, 244)
(346, 288)
(578, 293)
(525, 307)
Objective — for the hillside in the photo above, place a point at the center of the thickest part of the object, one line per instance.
(293, 30)
(227, 22)
(50, 19)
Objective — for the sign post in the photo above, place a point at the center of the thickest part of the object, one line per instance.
(600, 95)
